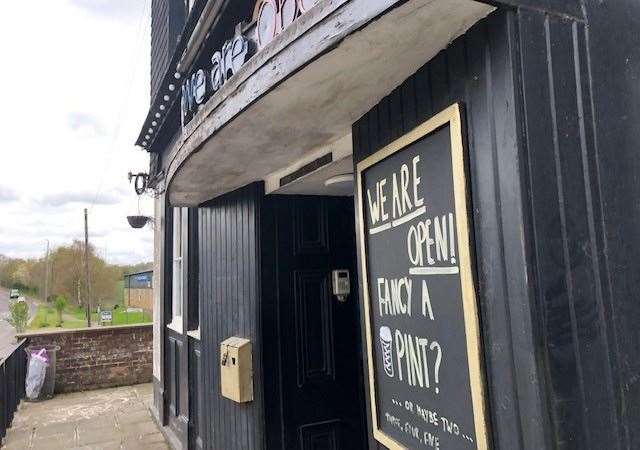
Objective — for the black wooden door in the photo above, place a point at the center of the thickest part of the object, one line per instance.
(320, 351)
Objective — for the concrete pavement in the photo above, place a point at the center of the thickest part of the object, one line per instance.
(7, 333)
(115, 418)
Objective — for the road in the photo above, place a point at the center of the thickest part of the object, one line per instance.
(7, 332)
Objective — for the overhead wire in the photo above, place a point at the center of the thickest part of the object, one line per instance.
(123, 110)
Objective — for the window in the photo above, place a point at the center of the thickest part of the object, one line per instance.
(180, 224)
(193, 303)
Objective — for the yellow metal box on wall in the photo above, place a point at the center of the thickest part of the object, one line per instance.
(236, 369)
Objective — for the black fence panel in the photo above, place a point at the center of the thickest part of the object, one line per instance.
(13, 370)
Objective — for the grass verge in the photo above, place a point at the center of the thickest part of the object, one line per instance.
(75, 317)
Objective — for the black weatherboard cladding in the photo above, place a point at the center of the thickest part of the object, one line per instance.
(537, 221)
(476, 70)
(167, 20)
(564, 208)
(160, 55)
(229, 272)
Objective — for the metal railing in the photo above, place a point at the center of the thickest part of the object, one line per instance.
(13, 369)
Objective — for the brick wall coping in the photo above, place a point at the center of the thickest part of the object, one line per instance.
(82, 330)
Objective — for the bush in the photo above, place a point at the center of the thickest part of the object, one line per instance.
(18, 315)
(60, 304)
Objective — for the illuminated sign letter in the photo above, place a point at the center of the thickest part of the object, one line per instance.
(217, 79)
(199, 86)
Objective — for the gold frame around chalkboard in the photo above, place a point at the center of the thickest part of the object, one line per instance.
(450, 116)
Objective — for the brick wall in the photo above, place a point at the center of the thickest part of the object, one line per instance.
(95, 358)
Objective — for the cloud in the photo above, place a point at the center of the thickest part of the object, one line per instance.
(85, 123)
(85, 142)
(87, 197)
(118, 9)
(126, 257)
(29, 248)
(7, 194)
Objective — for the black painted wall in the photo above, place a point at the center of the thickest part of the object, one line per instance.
(230, 303)
(552, 164)
(614, 54)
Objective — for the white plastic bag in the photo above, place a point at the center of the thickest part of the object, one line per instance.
(35, 374)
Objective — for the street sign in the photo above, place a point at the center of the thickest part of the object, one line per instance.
(106, 316)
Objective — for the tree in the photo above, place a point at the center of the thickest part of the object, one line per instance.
(60, 304)
(8, 275)
(67, 276)
(68, 280)
(18, 315)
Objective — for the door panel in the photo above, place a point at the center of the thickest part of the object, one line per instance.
(313, 319)
(176, 385)
(310, 227)
(320, 351)
(321, 436)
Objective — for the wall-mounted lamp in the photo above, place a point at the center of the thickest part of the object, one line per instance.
(140, 182)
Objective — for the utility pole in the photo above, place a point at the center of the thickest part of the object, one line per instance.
(86, 266)
(46, 274)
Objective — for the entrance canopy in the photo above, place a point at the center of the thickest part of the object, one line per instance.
(305, 89)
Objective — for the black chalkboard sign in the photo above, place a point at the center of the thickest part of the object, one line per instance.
(421, 314)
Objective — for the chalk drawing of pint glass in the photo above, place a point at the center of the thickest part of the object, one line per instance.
(386, 341)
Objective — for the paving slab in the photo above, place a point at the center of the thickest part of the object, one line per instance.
(133, 416)
(50, 444)
(115, 418)
(98, 435)
(56, 430)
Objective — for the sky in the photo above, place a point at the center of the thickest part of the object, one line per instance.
(75, 92)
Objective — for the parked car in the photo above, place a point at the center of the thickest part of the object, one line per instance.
(14, 293)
